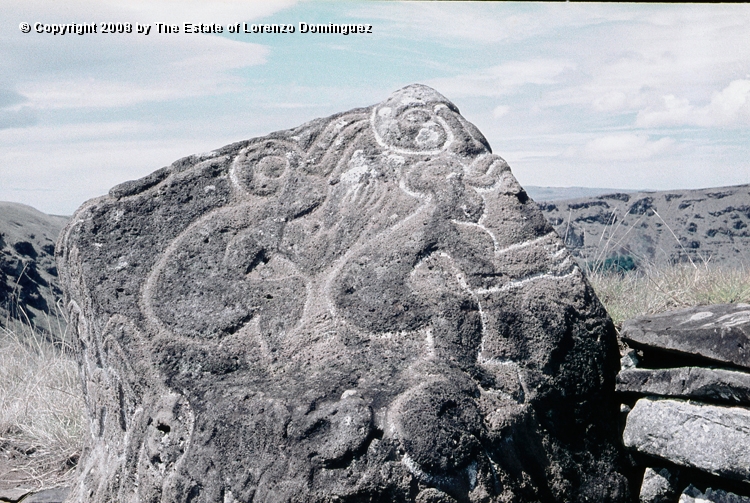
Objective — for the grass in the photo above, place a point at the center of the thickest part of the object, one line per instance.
(41, 411)
(630, 286)
(652, 289)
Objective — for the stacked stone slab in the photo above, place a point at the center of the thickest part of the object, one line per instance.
(692, 495)
(694, 417)
(367, 307)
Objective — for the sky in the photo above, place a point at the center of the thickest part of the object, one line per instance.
(626, 96)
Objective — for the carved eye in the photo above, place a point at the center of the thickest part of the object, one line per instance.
(411, 131)
(260, 168)
(272, 166)
(417, 116)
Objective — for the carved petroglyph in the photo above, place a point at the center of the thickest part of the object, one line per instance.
(736, 318)
(371, 294)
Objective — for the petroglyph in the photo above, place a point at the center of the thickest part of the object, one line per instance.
(348, 308)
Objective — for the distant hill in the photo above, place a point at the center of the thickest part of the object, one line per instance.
(705, 225)
(561, 193)
(29, 289)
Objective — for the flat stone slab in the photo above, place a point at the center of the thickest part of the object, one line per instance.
(693, 495)
(53, 495)
(719, 332)
(711, 438)
(23, 495)
(13, 495)
(687, 382)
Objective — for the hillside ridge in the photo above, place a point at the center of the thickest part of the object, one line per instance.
(657, 227)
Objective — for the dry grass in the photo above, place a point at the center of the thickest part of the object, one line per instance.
(41, 411)
(657, 289)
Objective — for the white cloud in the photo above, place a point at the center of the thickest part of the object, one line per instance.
(80, 161)
(429, 19)
(502, 79)
(728, 107)
(610, 101)
(683, 51)
(625, 147)
(102, 70)
(676, 111)
(194, 67)
(487, 22)
(500, 111)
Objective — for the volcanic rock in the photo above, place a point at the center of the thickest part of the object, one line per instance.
(53, 495)
(13, 495)
(367, 307)
(694, 495)
(687, 382)
(658, 486)
(710, 438)
(719, 333)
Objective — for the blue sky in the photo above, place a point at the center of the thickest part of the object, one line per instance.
(630, 96)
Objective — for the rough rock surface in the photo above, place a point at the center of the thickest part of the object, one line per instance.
(29, 288)
(53, 495)
(13, 495)
(712, 438)
(688, 382)
(657, 486)
(694, 495)
(719, 332)
(364, 308)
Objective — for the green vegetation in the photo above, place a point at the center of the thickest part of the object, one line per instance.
(615, 264)
(649, 289)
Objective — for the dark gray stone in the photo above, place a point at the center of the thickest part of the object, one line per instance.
(694, 495)
(13, 495)
(53, 495)
(687, 382)
(629, 360)
(720, 332)
(365, 308)
(712, 438)
(658, 486)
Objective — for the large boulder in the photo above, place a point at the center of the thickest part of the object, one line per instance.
(367, 307)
